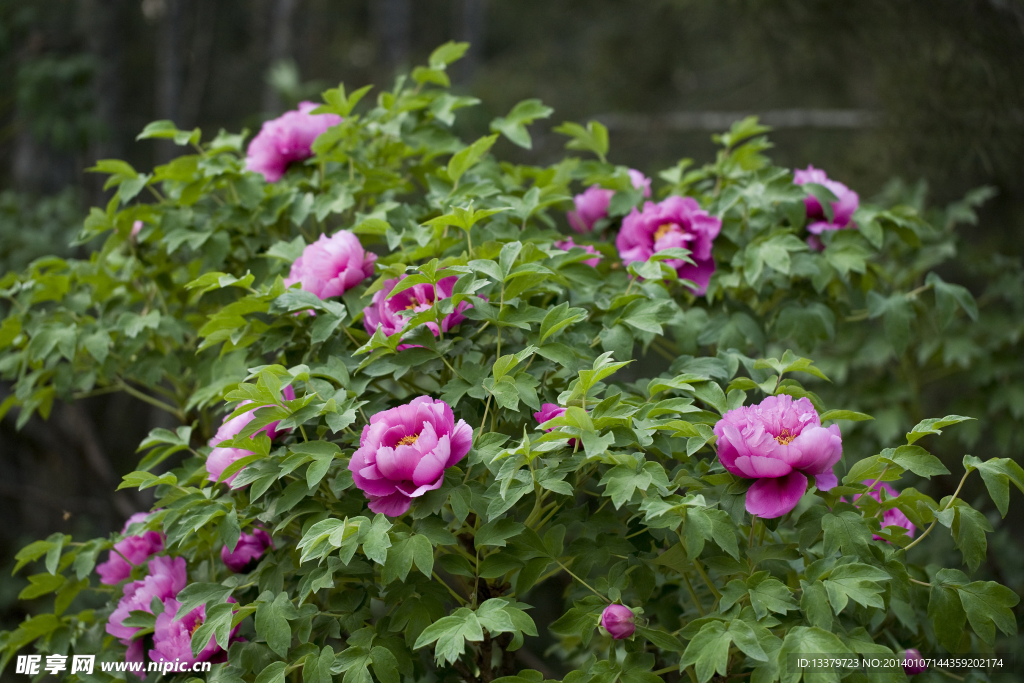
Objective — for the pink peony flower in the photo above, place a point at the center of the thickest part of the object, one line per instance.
(247, 552)
(172, 639)
(285, 139)
(549, 411)
(388, 313)
(843, 208)
(221, 457)
(404, 452)
(567, 244)
(893, 517)
(592, 204)
(913, 663)
(675, 222)
(332, 265)
(167, 576)
(618, 620)
(780, 443)
(134, 550)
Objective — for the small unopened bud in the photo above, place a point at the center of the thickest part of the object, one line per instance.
(618, 621)
(913, 663)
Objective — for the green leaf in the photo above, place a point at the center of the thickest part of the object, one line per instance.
(933, 425)
(196, 594)
(317, 666)
(857, 582)
(560, 317)
(845, 415)
(496, 532)
(847, 531)
(988, 605)
(168, 131)
(769, 595)
(217, 625)
(446, 54)
(948, 297)
(593, 138)
(945, 610)
(466, 158)
(897, 314)
(917, 460)
(513, 126)
(451, 632)
(805, 640)
(272, 622)
(708, 651)
(377, 540)
(997, 473)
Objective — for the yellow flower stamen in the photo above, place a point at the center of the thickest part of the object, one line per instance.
(663, 230)
(785, 437)
(408, 440)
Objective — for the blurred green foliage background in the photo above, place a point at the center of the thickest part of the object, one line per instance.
(927, 92)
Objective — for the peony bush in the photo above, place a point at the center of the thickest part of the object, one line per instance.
(424, 434)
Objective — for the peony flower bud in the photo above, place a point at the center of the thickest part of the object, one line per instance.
(618, 620)
(913, 663)
(592, 203)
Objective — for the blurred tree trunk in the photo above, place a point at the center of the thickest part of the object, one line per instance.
(391, 22)
(281, 14)
(474, 25)
(106, 25)
(199, 62)
(169, 69)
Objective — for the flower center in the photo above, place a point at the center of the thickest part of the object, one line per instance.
(195, 626)
(785, 437)
(408, 440)
(664, 229)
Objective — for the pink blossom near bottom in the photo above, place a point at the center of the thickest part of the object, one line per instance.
(172, 639)
(167, 576)
(619, 621)
(567, 244)
(404, 452)
(780, 443)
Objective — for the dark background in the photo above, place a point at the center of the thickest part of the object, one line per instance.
(931, 91)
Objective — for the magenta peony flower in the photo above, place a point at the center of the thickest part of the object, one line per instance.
(842, 209)
(675, 222)
(388, 313)
(130, 552)
(167, 576)
(592, 204)
(285, 139)
(404, 452)
(172, 639)
(221, 457)
(618, 621)
(332, 265)
(567, 244)
(893, 517)
(780, 443)
(247, 552)
(913, 663)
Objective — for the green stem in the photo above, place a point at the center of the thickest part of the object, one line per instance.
(707, 581)
(569, 572)
(693, 595)
(944, 508)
